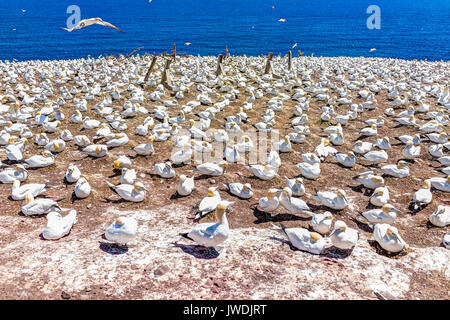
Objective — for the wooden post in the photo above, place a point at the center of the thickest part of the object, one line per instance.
(220, 70)
(152, 64)
(289, 60)
(300, 53)
(226, 50)
(174, 52)
(166, 78)
(269, 68)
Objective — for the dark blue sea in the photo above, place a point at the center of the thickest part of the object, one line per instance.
(410, 29)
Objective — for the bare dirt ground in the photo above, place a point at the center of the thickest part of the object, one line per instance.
(256, 262)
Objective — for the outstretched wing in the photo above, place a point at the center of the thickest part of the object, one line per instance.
(109, 25)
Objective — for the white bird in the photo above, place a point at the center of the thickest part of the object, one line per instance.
(58, 226)
(265, 172)
(369, 180)
(343, 237)
(211, 169)
(213, 233)
(400, 170)
(347, 160)
(336, 201)
(145, 149)
(387, 214)
(130, 192)
(362, 147)
(441, 216)
(18, 191)
(380, 196)
(82, 188)
(305, 240)
(96, 150)
(375, 157)
(442, 184)
(122, 231)
(296, 185)
(388, 237)
(270, 203)
(294, 205)
(72, 173)
(322, 222)
(243, 191)
(208, 203)
(308, 170)
(18, 172)
(31, 206)
(423, 196)
(40, 160)
(411, 151)
(186, 186)
(88, 22)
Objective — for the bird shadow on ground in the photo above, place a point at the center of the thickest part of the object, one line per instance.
(113, 248)
(335, 253)
(202, 177)
(430, 225)
(199, 252)
(371, 206)
(107, 200)
(175, 196)
(285, 242)
(385, 253)
(361, 225)
(263, 217)
(360, 189)
(32, 216)
(116, 173)
(322, 207)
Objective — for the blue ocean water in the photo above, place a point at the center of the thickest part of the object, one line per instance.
(413, 29)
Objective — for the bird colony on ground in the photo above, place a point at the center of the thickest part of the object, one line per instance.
(355, 135)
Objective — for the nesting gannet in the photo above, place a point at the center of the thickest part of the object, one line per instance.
(243, 191)
(58, 226)
(423, 196)
(96, 150)
(186, 185)
(296, 185)
(362, 147)
(18, 191)
(321, 222)
(212, 169)
(294, 205)
(72, 173)
(130, 192)
(305, 240)
(376, 157)
(265, 172)
(88, 22)
(164, 169)
(442, 184)
(388, 237)
(441, 216)
(336, 201)
(387, 214)
(380, 196)
(82, 188)
(17, 172)
(347, 160)
(369, 180)
(145, 149)
(213, 233)
(33, 206)
(400, 170)
(208, 203)
(122, 162)
(343, 237)
(269, 203)
(122, 231)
